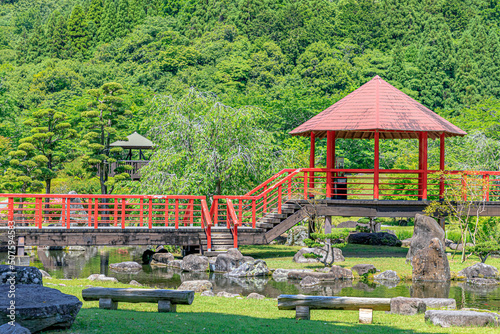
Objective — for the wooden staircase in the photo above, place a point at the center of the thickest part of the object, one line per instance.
(222, 240)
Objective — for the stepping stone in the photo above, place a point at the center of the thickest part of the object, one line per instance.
(462, 318)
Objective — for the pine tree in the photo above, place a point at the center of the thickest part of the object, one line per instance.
(94, 13)
(36, 43)
(56, 32)
(77, 33)
(467, 78)
(107, 31)
(136, 12)
(122, 19)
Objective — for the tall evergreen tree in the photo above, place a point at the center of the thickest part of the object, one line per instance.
(56, 32)
(94, 13)
(36, 43)
(467, 72)
(136, 12)
(107, 31)
(77, 33)
(122, 19)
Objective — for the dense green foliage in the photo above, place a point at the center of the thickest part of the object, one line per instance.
(288, 58)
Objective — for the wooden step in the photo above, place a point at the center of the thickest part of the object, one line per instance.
(270, 220)
(264, 225)
(276, 215)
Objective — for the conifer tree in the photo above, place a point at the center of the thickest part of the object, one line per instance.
(122, 19)
(107, 31)
(36, 43)
(77, 33)
(136, 12)
(467, 78)
(56, 32)
(94, 13)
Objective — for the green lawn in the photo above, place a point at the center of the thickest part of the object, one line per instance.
(231, 315)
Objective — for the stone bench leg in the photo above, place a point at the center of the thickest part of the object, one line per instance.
(108, 304)
(302, 312)
(365, 315)
(166, 306)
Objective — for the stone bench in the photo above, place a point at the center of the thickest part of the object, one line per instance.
(303, 304)
(167, 299)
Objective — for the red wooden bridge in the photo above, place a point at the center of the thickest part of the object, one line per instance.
(375, 111)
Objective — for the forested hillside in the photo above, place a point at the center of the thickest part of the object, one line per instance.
(287, 59)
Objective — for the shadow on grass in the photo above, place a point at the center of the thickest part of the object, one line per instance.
(127, 321)
(351, 250)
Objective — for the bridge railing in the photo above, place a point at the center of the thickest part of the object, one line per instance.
(94, 211)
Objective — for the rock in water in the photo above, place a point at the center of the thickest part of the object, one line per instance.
(195, 263)
(479, 270)
(161, 259)
(249, 269)
(128, 266)
(39, 307)
(309, 281)
(407, 306)
(462, 318)
(24, 275)
(388, 275)
(431, 263)
(196, 286)
(424, 231)
(374, 239)
(102, 278)
(281, 275)
(13, 329)
(229, 261)
(363, 269)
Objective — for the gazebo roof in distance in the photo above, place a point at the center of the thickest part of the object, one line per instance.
(135, 141)
(377, 105)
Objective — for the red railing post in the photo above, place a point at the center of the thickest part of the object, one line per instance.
(150, 213)
(376, 190)
(191, 219)
(39, 211)
(305, 185)
(11, 209)
(486, 187)
(205, 214)
(115, 207)
(228, 216)
(254, 213)
(176, 213)
(424, 167)
(240, 202)
(290, 186)
(167, 218)
(441, 165)
(89, 211)
(141, 212)
(96, 211)
(215, 203)
(264, 203)
(123, 212)
(68, 212)
(279, 199)
(235, 236)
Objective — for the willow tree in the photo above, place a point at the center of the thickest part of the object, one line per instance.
(104, 124)
(205, 147)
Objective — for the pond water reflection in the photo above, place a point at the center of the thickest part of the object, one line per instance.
(92, 260)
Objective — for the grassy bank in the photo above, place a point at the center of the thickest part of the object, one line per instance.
(231, 315)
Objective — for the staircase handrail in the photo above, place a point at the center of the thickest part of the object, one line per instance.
(206, 223)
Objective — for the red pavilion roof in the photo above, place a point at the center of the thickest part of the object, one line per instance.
(377, 105)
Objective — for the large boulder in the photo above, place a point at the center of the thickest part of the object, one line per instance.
(255, 295)
(13, 329)
(309, 281)
(363, 269)
(297, 235)
(38, 307)
(407, 306)
(227, 262)
(426, 229)
(479, 270)
(21, 275)
(431, 263)
(374, 239)
(462, 318)
(250, 269)
(443, 303)
(128, 266)
(160, 259)
(335, 254)
(195, 263)
(196, 286)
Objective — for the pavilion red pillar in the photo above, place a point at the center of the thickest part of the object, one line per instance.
(441, 165)
(376, 166)
(422, 150)
(330, 163)
(311, 160)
